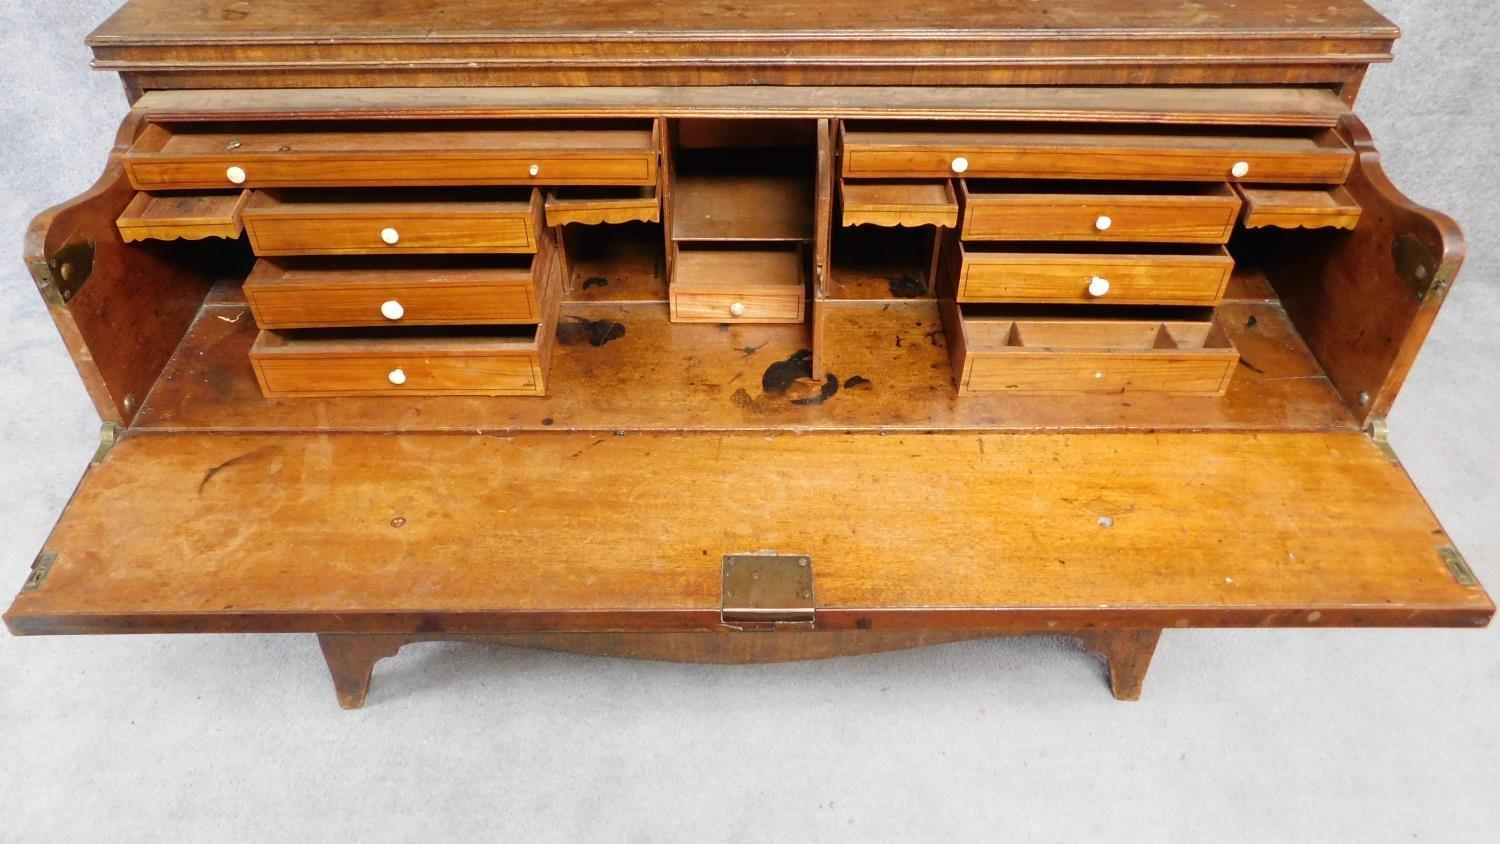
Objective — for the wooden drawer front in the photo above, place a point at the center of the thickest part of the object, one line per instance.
(1099, 372)
(758, 305)
(1315, 208)
(183, 216)
(994, 354)
(288, 367)
(325, 227)
(738, 286)
(595, 206)
(1197, 215)
(893, 203)
(190, 158)
(290, 295)
(1093, 278)
(1321, 159)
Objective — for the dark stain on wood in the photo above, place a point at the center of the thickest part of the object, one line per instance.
(781, 375)
(595, 281)
(858, 382)
(242, 460)
(906, 286)
(595, 332)
(827, 390)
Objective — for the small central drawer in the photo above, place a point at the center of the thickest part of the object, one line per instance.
(313, 293)
(502, 361)
(1021, 211)
(354, 223)
(738, 285)
(1006, 153)
(994, 353)
(190, 156)
(1093, 274)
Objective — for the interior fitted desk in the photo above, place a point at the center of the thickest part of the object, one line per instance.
(743, 332)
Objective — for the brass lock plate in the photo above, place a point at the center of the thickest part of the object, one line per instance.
(768, 587)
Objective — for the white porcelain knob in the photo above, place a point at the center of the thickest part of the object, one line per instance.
(536, 170)
(1103, 223)
(235, 175)
(390, 236)
(737, 309)
(960, 164)
(397, 377)
(1241, 169)
(392, 310)
(1098, 286)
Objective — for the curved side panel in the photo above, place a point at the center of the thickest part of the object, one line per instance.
(121, 308)
(1364, 300)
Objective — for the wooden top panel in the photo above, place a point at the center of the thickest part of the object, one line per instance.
(1140, 104)
(359, 43)
(232, 21)
(414, 532)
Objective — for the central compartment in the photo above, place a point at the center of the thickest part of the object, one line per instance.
(743, 200)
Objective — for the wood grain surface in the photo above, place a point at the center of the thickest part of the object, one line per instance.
(428, 533)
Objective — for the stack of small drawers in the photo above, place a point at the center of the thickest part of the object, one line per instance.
(413, 261)
(1058, 227)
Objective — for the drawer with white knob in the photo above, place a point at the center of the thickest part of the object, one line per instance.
(1093, 211)
(194, 156)
(996, 353)
(288, 293)
(363, 223)
(919, 152)
(500, 361)
(1090, 274)
(738, 285)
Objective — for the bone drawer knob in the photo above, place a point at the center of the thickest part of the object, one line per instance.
(737, 309)
(1103, 223)
(960, 164)
(235, 175)
(1241, 169)
(390, 236)
(536, 170)
(392, 310)
(397, 377)
(1098, 286)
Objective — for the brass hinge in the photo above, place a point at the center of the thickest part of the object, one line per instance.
(60, 277)
(1380, 433)
(1416, 264)
(109, 436)
(767, 590)
(1457, 566)
(40, 568)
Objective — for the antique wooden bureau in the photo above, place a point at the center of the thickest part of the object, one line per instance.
(742, 331)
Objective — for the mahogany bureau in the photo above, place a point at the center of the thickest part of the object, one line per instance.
(744, 331)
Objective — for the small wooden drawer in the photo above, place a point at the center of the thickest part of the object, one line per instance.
(499, 362)
(1320, 158)
(348, 223)
(191, 156)
(894, 203)
(1086, 274)
(191, 216)
(309, 293)
(997, 354)
(711, 285)
(1293, 208)
(596, 206)
(1021, 211)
